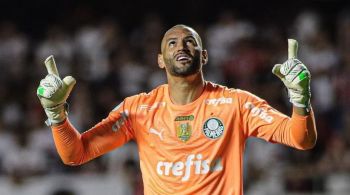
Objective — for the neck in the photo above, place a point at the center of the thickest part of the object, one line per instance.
(185, 90)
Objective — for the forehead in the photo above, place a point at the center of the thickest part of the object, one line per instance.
(180, 31)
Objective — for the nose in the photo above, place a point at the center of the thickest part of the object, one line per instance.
(182, 46)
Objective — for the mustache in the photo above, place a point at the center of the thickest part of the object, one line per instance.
(183, 52)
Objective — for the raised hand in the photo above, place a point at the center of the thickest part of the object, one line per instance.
(295, 76)
(53, 93)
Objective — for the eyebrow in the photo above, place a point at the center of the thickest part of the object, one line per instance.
(189, 36)
(192, 37)
(170, 39)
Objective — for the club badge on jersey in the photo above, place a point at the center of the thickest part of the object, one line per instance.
(183, 127)
(184, 131)
(213, 128)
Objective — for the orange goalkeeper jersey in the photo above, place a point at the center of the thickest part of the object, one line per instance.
(184, 149)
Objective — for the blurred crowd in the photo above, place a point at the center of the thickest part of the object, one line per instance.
(111, 63)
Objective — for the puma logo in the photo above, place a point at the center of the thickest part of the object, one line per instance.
(159, 133)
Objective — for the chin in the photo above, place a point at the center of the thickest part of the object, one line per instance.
(185, 63)
(184, 69)
(185, 73)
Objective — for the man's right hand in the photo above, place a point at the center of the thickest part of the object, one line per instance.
(53, 93)
(295, 76)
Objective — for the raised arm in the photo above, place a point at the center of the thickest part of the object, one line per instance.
(75, 148)
(296, 77)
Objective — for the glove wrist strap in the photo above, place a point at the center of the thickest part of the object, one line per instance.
(56, 114)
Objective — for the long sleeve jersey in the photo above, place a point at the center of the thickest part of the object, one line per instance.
(186, 149)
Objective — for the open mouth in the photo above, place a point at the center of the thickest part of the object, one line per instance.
(183, 57)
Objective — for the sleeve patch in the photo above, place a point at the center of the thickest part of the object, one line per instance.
(120, 121)
(258, 112)
(117, 107)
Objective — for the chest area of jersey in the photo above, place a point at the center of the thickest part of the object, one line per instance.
(180, 146)
(186, 127)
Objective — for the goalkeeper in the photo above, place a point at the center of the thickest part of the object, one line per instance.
(190, 132)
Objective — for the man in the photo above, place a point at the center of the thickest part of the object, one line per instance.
(190, 132)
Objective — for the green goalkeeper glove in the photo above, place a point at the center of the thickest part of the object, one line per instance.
(296, 77)
(53, 93)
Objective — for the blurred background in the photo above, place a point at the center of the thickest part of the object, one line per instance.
(111, 48)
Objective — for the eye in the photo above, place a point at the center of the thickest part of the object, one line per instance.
(191, 42)
(171, 43)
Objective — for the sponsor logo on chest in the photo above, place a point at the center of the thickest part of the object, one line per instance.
(194, 164)
(218, 101)
(154, 106)
(158, 133)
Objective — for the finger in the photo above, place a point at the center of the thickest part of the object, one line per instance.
(68, 83)
(51, 65)
(292, 48)
(276, 70)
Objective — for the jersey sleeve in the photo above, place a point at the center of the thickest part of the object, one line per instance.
(260, 120)
(115, 130)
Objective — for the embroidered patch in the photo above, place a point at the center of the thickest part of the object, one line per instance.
(184, 131)
(184, 118)
(213, 128)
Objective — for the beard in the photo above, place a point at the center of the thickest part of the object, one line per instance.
(183, 69)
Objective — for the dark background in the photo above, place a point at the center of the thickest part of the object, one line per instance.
(127, 48)
(34, 16)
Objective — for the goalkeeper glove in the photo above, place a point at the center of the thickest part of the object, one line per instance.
(53, 93)
(296, 77)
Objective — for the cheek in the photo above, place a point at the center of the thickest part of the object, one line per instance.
(197, 53)
(167, 61)
(168, 56)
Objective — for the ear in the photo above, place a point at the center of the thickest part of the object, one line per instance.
(161, 61)
(204, 56)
